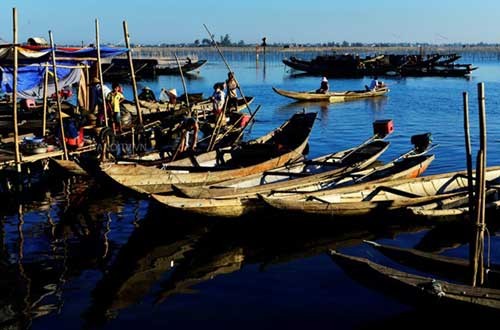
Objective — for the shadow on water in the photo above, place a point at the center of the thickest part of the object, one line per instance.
(163, 260)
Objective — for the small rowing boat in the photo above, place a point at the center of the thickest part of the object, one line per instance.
(332, 97)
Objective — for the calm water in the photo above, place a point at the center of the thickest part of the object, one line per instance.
(77, 255)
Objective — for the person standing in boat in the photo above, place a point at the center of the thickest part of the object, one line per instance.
(115, 98)
(218, 98)
(324, 87)
(232, 95)
(188, 137)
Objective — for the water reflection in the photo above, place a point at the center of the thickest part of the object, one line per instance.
(46, 255)
(376, 104)
(152, 250)
(164, 259)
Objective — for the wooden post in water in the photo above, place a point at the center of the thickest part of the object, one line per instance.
(14, 91)
(132, 72)
(478, 265)
(99, 70)
(264, 45)
(468, 152)
(470, 182)
(45, 101)
(229, 68)
(58, 97)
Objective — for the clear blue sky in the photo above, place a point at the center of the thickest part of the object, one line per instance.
(173, 21)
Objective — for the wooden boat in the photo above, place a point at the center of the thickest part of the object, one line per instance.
(296, 175)
(422, 289)
(351, 65)
(456, 269)
(158, 110)
(332, 97)
(69, 166)
(173, 68)
(453, 208)
(275, 149)
(378, 198)
(247, 200)
(118, 68)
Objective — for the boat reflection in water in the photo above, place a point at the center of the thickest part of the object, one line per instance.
(164, 259)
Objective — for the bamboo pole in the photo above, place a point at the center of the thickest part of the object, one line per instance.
(58, 97)
(478, 266)
(45, 103)
(470, 182)
(183, 82)
(229, 68)
(99, 70)
(468, 152)
(14, 91)
(87, 88)
(132, 72)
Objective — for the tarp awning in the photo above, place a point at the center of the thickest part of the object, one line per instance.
(38, 54)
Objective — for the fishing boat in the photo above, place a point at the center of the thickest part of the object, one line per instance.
(454, 208)
(426, 290)
(246, 200)
(298, 174)
(159, 110)
(170, 67)
(119, 68)
(332, 97)
(456, 269)
(277, 148)
(378, 198)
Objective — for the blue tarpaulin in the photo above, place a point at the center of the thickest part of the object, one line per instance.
(31, 77)
(28, 77)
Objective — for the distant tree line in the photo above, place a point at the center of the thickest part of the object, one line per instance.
(225, 40)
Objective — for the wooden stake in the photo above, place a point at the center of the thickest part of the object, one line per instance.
(45, 101)
(229, 69)
(470, 182)
(14, 91)
(183, 83)
(468, 152)
(99, 70)
(58, 97)
(478, 266)
(132, 72)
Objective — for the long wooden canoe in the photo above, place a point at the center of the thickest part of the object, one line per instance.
(296, 175)
(378, 197)
(229, 206)
(418, 288)
(332, 97)
(456, 269)
(173, 68)
(277, 148)
(155, 109)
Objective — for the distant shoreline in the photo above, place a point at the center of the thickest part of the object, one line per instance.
(155, 51)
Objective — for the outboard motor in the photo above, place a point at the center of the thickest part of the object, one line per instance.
(421, 142)
(383, 127)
